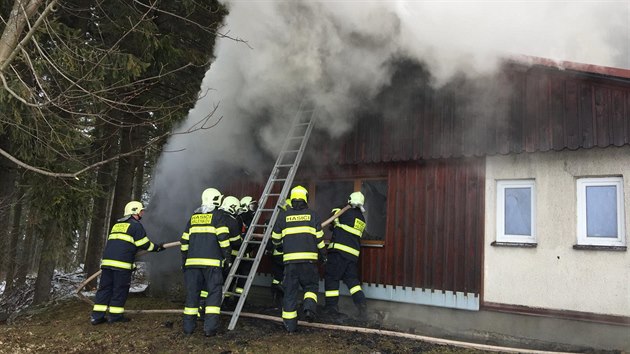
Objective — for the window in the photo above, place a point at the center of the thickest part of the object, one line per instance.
(516, 217)
(332, 194)
(600, 211)
(375, 191)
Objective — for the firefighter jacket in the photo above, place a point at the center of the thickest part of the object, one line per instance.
(234, 226)
(126, 237)
(347, 231)
(205, 240)
(300, 234)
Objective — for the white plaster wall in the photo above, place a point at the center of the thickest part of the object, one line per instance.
(554, 275)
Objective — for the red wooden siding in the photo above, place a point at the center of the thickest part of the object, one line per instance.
(548, 109)
(434, 235)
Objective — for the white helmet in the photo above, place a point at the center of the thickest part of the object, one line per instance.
(211, 197)
(230, 205)
(356, 199)
(133, 208)
(247, 204)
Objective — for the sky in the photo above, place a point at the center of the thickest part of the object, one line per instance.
(341, 54)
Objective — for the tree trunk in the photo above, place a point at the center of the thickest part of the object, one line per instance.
(8, 175)
(124, 178)
(21, 12)
(47, 263)
(138, 183)
(100, 205)
(14, 238)
(82, 242)
(26, 255)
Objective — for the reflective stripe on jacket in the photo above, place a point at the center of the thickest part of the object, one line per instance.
(300, 234)
(205, 242)
(125, 238)
(347, 232)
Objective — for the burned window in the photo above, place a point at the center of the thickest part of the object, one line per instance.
(331, 194)
(375, 192)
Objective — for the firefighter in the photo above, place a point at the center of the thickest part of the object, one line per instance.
(246, 211)
(126, 237)
(343, 256)
(277, 265)
(300, 234)
(229, 217)
(205, 250)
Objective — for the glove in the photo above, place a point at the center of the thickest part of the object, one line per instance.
(227, 263)
(323, 258)
(159, 247)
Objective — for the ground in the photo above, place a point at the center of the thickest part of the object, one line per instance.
(64, 328)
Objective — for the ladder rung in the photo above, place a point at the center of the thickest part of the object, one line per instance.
(231, 293)
(274, 194)
(283, 165)
(279, 179)
(296, 137)
(258, 225)
(240, 276)
(288, 151)
(254, 242)
(257, 235)
(263, 209)
(303, 124)
(248, 259)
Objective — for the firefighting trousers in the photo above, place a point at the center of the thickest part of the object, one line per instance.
(113, 289)
(195, 280)
(296, 275)
(341, 268)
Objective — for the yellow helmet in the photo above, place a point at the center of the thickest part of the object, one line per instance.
(230, 205)
(299, 192)
(133, 208)
(211, 197)
(356, 199)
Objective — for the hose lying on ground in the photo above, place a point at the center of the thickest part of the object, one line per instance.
(382, 332)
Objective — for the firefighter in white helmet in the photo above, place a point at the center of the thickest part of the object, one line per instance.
(228, 212)
(125, 239)
(205, 249)
(343, 256)
(300, 234)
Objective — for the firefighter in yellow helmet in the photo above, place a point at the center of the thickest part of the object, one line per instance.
(299, 233)
(125, 239)
(343, 256)
(205, 249)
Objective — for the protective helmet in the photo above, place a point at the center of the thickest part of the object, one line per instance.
(211, 197)
(248, 204)
(133, 208)
(230, 205)
(299, 192)
(356, 199)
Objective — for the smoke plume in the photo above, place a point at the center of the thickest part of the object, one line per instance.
(340, 55)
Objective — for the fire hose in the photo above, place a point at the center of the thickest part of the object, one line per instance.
(177, 243)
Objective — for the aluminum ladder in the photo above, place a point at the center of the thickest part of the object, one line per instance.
(258, 234)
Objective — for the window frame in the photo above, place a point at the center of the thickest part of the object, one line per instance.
(501, 236)
(582, 236)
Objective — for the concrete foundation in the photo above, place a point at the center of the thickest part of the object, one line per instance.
(486, 327)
